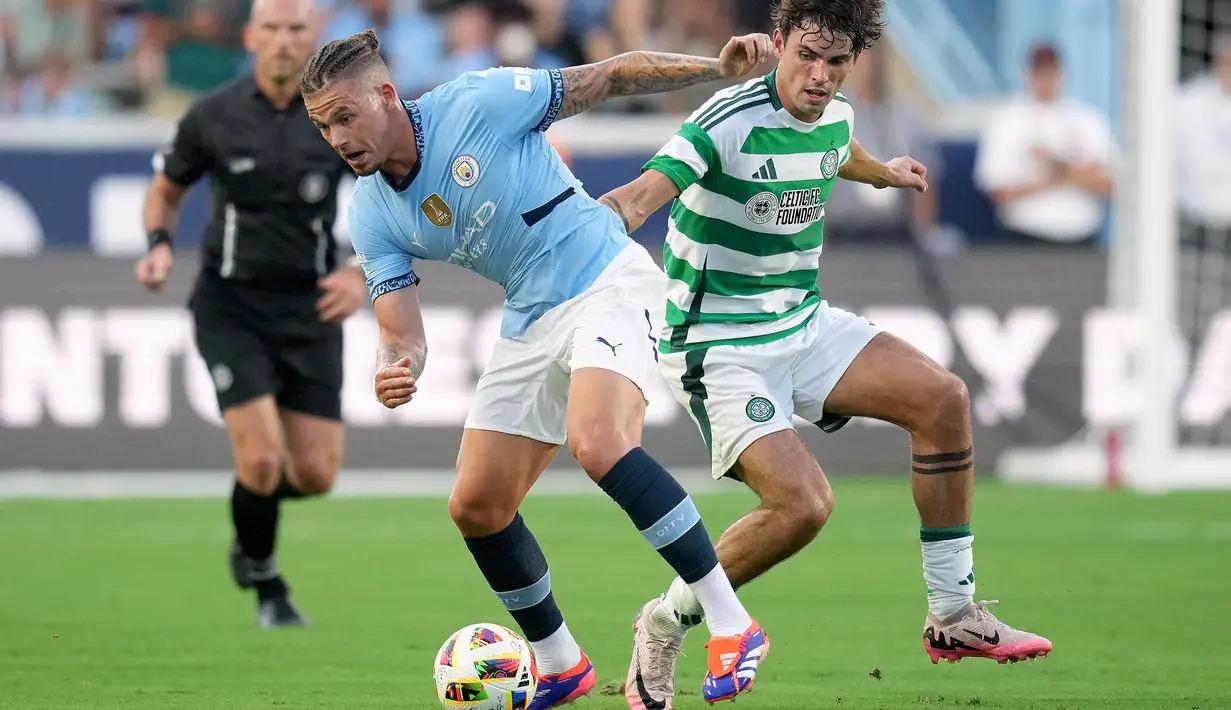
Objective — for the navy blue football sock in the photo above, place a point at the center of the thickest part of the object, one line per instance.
(663, 512)
(516, 570)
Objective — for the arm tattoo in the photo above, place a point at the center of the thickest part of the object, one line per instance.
(632, 74)
(615, 207)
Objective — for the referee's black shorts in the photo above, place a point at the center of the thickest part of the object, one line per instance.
(266, 341)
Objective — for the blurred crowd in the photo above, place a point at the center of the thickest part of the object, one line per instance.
(1045, 162)
(90, 57)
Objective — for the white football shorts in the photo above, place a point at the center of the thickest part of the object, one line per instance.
(612, 325)
(737, 394)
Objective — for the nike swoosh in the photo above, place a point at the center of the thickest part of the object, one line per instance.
(644, 694)
(993, 639)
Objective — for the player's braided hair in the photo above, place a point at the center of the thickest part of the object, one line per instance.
(860, 20)
(340, 58)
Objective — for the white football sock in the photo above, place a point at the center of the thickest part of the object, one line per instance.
(556, 653)
(710, 598)
(948, 569)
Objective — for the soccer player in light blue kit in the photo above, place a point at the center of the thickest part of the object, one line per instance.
(466, 175)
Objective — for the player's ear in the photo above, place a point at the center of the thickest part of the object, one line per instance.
(779, 43)
(249, 44)
(388, 94)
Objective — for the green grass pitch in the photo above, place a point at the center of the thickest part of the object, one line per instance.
(129, 605)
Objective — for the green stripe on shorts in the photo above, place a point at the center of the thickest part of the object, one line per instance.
(694, 370)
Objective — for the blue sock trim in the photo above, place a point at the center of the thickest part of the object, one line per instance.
(516, 570)
(526, 597)
(672, 526)
(663, 512)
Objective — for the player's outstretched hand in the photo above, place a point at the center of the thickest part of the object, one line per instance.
(343, 292)
(743, 54)
(395, 385)
(153, 268)
(908, 172)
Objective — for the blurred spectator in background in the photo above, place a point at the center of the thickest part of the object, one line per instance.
(51, 92)
(36, 27)
(751, 16)
(887, 127)
(1203, 171)
(700, 27)
(200, 46)
(582, 31)
(1204, 142)
(1046, 161)
(514, 42)
(413, 41)
(157, 55)
(468, 44)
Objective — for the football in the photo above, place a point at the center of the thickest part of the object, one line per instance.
(485, 667)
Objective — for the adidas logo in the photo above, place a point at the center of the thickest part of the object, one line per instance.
(688, 620)
(767, 171)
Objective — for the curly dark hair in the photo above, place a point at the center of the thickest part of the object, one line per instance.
(862, 21)
(338, 59)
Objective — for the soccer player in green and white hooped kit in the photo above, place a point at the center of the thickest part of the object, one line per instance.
(748, 342)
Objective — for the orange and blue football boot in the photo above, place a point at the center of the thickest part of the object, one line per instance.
(564, 688)
(733, 662)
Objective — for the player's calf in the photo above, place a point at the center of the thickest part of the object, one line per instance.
(494, 472)
(516, 570)
(796, 502)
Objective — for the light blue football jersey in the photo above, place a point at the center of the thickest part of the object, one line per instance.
(489, 194)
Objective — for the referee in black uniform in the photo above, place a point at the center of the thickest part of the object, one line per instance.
(271, 297)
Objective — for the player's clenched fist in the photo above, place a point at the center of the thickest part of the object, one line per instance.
(395, 384)
(743, 54)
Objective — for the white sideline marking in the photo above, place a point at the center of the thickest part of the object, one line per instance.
(367, 483)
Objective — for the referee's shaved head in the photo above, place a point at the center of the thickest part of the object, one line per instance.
(281, 35)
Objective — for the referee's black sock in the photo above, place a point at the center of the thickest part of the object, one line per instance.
(286, 491)
(256, 528)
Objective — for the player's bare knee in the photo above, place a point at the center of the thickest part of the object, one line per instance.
(803, 502)
(478, 517)
(810, 510)
(598, 448)
(314, 477)
(952, 402)
(260, 469)
(945, 408)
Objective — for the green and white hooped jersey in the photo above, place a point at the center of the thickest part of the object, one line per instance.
(744, 240)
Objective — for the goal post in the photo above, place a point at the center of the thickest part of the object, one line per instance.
(1143, 283)
(1152, 86)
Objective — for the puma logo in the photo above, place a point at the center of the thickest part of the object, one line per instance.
(603, 340)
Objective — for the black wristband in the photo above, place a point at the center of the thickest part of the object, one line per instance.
(159, 236)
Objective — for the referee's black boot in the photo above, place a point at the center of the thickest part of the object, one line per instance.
(279, 611)
(248, 572)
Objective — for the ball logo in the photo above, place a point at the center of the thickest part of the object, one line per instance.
(465, 171)
(759, 409)
(761, 208)
(829, 164)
